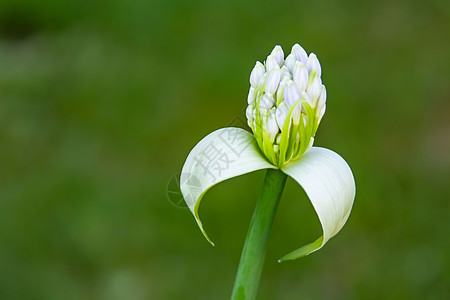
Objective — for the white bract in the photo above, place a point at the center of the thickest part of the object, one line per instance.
(286, 103)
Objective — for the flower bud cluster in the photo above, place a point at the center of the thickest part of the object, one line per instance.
(286, 102)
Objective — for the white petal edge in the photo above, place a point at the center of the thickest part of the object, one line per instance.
(222, 154)
(328, 181)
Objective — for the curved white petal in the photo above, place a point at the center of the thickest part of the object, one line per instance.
(223, 154)
(330, 186)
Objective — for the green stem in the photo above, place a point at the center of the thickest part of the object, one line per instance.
(253, 254)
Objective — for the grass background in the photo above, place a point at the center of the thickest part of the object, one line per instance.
(101, 101)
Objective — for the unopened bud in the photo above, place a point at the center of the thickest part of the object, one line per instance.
(273, 80)
(267, 102)
(281, 114)
(251, 96)
(299, 53)
(285, 73)
(291, 94)
(272, 128)
(256, 74)
(250, 124)
(249, 113)
(305, 119)
(278, 54)
(314, 89)
(262, 80)
(290, 61)
(280, 91)
(271, 63)
(313, 64)
(306, 97)
(296, 114)
(300, 75)
(322, 112)
(322, 100)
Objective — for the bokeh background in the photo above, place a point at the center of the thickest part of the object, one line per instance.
(101, 101)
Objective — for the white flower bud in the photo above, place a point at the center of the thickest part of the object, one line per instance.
(322, 112)
(285, 73)
(267, 102)
(272, 128)
(257, 72)
(280, 91)
(296, 114)
(271, 63)
(250, 124)
(249, 113)
(299, 53)
(313, 64)
(291, 93)
(300, 75)
(278, 54)
(314, 90)
(290, 61)
(251, 96)
(321, 101)
(276, 148)
(262, 80)
(281, 114)
(273, 80)
(306, 97)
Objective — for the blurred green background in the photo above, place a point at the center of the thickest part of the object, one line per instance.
(101, 101)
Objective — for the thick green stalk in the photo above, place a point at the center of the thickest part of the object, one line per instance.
(252, 257)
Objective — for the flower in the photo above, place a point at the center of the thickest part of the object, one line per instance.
(284, 129)
(286, 103)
